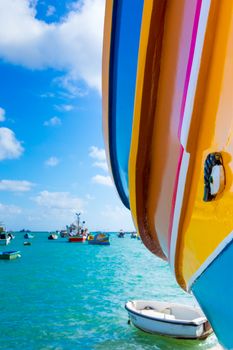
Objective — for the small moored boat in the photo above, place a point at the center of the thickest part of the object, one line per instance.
(4, 239)
(121, 234)
(63, 233)
(28, 236)
(53, 236)
(170, 319)
(99, 239)
(133, 235)
(10, 255)
(10, 234)
(27, 243)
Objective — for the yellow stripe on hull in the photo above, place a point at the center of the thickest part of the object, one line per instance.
(155, 145)
(145, 100)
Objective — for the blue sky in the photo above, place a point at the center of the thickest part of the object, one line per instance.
(52, 157)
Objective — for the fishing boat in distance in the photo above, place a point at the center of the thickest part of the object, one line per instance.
(99, 239)
(170, 319)
(10, 255)
(77, 233)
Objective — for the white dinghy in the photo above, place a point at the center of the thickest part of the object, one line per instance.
(170, 319)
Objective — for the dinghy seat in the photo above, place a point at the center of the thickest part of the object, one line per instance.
(166, 311)
(159, 314)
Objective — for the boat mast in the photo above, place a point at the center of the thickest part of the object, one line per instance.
(78, 220)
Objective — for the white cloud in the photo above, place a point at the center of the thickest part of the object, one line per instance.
(89, 197)
(15, 185)
(118, 215)
(102, 165)
(102, 180)
(97, 153)
(73, 45)
(9, 210)
(69, 83)
(65, 108)
(59, 200)
(100, 156)
(47, 95)
(52, 161)
(33, 3)
(2, 114)
(50, 10)
(10, 147)
(54, 121)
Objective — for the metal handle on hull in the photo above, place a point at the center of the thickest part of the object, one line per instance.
(214, 176)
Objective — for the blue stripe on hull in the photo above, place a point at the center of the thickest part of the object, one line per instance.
(125, 38)
(214, 292)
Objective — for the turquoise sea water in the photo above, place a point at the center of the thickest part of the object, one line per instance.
(62, 295)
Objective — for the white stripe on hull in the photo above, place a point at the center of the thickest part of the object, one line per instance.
(204, 13)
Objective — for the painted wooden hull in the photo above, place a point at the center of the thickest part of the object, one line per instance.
(214, 290)
(99, 239)
(182, 114)
(119, 78)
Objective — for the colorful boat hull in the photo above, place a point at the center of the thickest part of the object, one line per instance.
(99, 239)
(94, 242)
(119, 77)
(214, 290)
(77, 239)
(180, 136)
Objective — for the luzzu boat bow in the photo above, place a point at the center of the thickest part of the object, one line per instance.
(168, 125)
